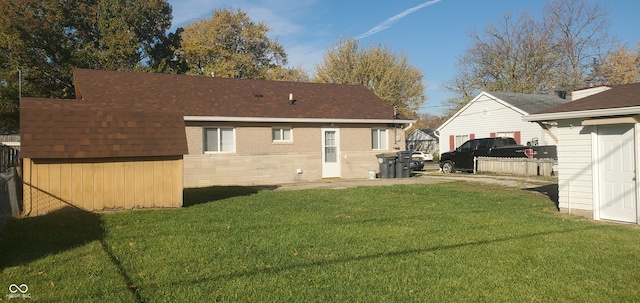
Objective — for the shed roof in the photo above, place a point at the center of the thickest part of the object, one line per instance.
(63, 129)
(627, 95)
(620, 100)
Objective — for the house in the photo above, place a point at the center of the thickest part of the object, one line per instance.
(588, 91)
(422, 140)
(499, 114)
(178, 131)
(598, 150)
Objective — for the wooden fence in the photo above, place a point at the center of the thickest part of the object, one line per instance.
(515, 166)
(9, 138)
(9, 158)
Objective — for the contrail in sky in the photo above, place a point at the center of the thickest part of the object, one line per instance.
(387, 23)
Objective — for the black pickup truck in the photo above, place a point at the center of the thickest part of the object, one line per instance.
(462, 158)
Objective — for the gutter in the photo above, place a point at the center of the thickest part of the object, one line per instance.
(620, 111)
(292, 120)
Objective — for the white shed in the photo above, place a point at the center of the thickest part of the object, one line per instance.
(598, 148)
(499, 114)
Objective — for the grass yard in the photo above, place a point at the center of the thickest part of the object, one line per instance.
(405, 243)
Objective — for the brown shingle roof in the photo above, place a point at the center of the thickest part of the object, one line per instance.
(622, 96)
(120, 114)
(77, 129)
(223, 97)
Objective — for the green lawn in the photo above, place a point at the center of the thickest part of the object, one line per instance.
(406, 243)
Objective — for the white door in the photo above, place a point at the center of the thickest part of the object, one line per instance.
(330, 153)
(616, 160)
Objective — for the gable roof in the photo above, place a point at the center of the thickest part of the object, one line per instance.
(523, 104)
(199, 96)
(620, 100)
(529, 103)
(62, 129)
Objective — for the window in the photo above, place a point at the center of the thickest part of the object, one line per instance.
(219, 140)
(461, 139)
(505, 134)
(281, 134)
(379, 138)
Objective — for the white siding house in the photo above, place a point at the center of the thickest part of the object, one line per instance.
(588, 91)
(496, 114)
(598, 148)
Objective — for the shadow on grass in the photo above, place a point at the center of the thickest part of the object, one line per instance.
(195, 196)
(29, 239)
(551, 190)
(388, 254)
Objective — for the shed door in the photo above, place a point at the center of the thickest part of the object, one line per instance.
(616, 160)
(330, 153)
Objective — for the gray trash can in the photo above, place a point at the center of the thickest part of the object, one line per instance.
(387, 165)
(403, 164)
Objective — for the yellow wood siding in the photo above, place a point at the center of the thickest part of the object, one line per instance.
(101, 185)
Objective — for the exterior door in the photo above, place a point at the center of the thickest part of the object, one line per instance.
(616, 160)
(330, 153)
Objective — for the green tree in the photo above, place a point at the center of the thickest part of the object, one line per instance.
(44, 39)
(389, 75)
(295, 74)
(230, 45)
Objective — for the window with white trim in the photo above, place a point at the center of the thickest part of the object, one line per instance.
(282, 134)
(505, 134)
(219, 140)
(379, 139)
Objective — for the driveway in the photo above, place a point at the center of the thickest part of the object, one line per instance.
(429, 176)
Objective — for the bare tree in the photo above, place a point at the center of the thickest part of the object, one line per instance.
(513, 55)
(525, 56)
(580, 31)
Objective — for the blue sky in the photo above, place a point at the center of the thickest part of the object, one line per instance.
(433, 33)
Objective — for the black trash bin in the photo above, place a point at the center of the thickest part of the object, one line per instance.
(387, 165)
(403, 164)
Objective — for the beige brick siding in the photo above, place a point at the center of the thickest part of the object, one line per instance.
(258, 160)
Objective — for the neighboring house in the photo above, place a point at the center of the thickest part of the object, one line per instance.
(598, 148)
(588, 91)
(422, 140)
(206, 131)
(499, 114)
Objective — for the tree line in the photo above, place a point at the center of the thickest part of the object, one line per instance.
(42, 40)
(570, 47)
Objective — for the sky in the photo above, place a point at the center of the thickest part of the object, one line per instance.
(433, 33)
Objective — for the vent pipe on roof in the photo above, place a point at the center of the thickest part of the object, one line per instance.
(291, 100)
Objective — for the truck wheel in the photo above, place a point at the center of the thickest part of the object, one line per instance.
(447, 167)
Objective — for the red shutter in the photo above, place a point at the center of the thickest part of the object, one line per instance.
(452, 142)
(472, 136)
(516, 135)
(492, 135)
